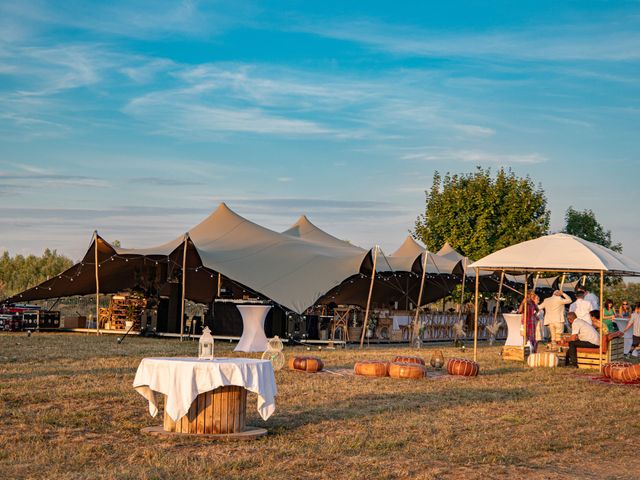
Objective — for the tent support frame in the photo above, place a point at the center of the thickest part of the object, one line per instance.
(184, 283)
(526, 273)
(365, 323)
(475, 316)
(495, 313)
(95, 243)
(419, 303)
(601, 321)
(464, 280)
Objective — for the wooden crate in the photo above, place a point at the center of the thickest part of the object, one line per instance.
(614, 353)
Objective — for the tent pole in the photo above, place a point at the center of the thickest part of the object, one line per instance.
(95, 242)
(602, 328)
(475, 317)
(424, 273)
(365, 324)
(562, 282)
(219, 284)
(495, 314)
(184, 282)
(464, 279)
(524, 316)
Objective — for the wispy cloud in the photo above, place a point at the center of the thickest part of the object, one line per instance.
(617, 41)
(37, 178)
(164, 182)
(477, 157)
(475, 130)
(142, 19)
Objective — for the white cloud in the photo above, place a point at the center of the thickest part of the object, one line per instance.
(617, 41)
(478, 157)
(475, 130)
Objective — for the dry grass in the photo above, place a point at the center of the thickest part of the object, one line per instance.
(68, 411)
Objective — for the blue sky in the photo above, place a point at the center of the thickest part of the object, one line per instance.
(137, 118)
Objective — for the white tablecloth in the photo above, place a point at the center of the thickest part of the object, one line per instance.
(400, 320)
(514, 320)
(253, 338)
(628, 336)
(183, 379)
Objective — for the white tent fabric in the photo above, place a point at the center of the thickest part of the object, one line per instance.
(304, 229)
(558, 252)
(293, 272)
(405, 257)
(448, 251)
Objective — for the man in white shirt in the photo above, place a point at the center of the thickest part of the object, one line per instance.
(553, 307)
(593, 298)
(583, 335)
(582, 307)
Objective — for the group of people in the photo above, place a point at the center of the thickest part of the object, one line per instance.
(583, 318)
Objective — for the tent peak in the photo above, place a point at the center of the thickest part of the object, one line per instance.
(409, 248)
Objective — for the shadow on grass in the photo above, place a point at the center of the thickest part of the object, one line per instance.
(367, 406)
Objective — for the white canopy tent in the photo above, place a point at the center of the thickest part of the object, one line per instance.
(555, 253)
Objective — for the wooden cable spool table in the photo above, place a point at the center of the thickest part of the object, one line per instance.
(218, 408)
(219, 412)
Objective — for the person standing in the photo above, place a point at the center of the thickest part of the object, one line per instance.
(529, 310)
(583, 335)
(553, 307)
(593, 298)
(635, 323)
(625, 310)
(609, 316)
(582, 307)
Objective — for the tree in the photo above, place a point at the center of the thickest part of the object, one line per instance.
(479, 214)
(624, 291)
(19, 273)
(584, 225)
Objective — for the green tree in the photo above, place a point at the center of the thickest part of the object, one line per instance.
(584, 224)
(478, 213)
(19, 272)
(624, 291)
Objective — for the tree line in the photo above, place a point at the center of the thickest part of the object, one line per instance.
(20, 272)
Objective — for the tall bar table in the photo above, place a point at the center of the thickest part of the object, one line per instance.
(253, 338)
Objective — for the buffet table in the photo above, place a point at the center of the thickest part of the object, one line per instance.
(206, 397)
(253, 338)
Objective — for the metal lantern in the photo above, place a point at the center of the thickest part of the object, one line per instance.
(437, 360)
(205, 345)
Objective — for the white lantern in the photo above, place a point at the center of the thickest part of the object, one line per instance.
(205, 345)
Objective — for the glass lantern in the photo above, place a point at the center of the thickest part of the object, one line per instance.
(205, 345)
(437, 360)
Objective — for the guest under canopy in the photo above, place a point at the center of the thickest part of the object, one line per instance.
(583, 335)
(530, 318)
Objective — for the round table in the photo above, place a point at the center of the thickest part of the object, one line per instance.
(206, 397)
(253, 338)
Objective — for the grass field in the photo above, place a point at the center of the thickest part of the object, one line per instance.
(68, 411)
